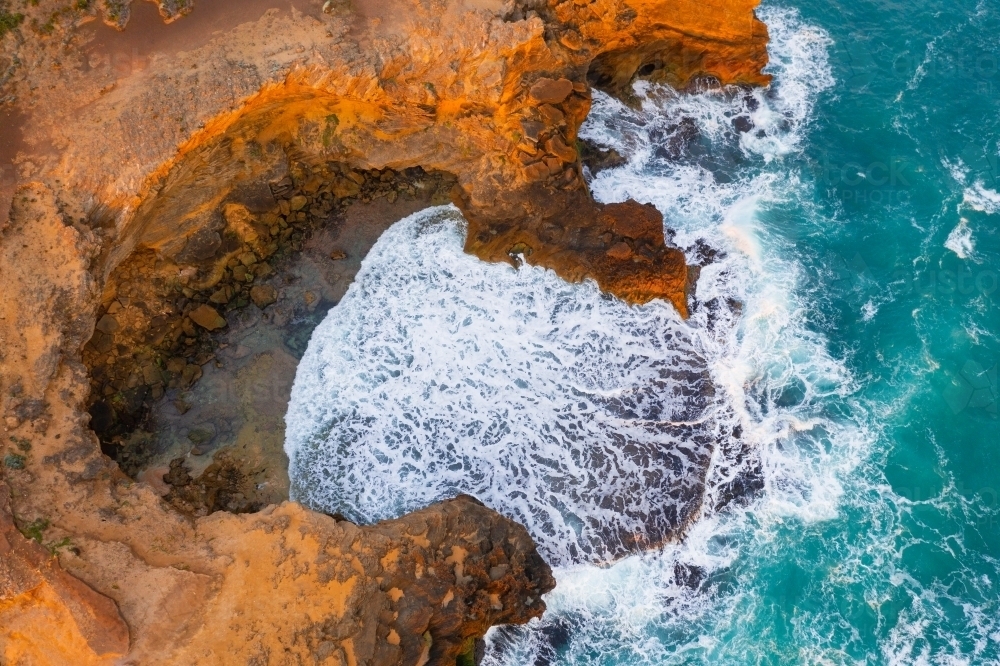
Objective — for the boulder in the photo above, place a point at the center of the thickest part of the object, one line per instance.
(551, 91)
(207, 317)
(263, 295)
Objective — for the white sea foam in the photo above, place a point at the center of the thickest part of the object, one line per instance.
(960, 240)
(582, 417)
(975, 197)
(437, 373)
(981, 198)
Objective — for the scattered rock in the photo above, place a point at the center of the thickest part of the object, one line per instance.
(176, 365)
(191, 374)
(536, 172)
(338, 255)
(344, 188)
(263, 270)
(207, 317)
(551, 115)
(263, 295)
(222, 295)
(532, 129)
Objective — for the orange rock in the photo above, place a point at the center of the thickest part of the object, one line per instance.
(550, 91)
(558, 147)
(207, 317)
(47, 615)
(580, 239)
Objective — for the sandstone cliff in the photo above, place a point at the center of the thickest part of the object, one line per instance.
(144, 154)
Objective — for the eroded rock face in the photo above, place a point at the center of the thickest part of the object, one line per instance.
(149, 161)
(621, 246)
(47, 615)
(416, 590)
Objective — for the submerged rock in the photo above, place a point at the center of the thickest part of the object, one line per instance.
(207, 317)
(263, 295)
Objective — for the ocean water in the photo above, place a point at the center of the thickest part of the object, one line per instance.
(840, 365)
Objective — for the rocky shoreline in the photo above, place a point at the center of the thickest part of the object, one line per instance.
(156, 211)
(244, 302)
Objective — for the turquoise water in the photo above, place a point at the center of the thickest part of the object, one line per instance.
(892, 233)
(908, 571)
(848, 322)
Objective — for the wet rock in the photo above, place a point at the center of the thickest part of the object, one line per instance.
(598, 159)
(652, 269)
(263, 295)
(742, 124)
(551, 91)
(207, 317)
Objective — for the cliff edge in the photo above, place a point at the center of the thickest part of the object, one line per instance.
(201, 148)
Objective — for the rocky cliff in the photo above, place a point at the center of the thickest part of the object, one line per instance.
(206, 149)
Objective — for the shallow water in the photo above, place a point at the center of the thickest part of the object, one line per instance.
(856, 223)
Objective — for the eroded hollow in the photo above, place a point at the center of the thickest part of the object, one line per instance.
(195, 348)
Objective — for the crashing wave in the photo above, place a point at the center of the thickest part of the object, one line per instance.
(582, 417)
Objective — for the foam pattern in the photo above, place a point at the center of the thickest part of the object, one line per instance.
(570, 411)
